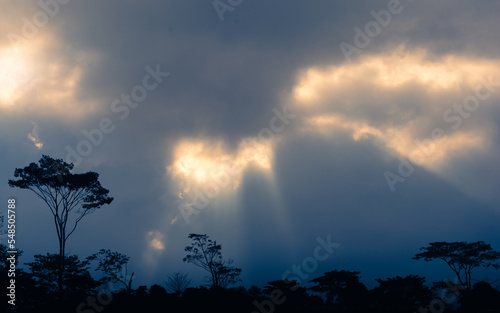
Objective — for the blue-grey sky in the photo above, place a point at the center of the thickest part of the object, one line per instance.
(264, 124)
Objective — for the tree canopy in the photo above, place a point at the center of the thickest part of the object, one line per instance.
(45, 268)
(52, 181)
(462, 257)
(114, 267)
(206, 253)
(400, 294)
(341, 287)
(177, 283)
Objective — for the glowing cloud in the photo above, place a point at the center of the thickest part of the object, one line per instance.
(197, 162)
(33, 136)
(398, 100)
(394, 70)
(155, 240)
(14, 74)
(154, 248)
(207, 166)
(36, 79)
(425, 152)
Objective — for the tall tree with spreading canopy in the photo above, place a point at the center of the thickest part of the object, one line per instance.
(206, 253)
(63, 192)
(462, 257)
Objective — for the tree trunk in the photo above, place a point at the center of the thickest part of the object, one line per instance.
(61, 268)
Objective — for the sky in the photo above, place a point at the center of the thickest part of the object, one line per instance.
(367, 128)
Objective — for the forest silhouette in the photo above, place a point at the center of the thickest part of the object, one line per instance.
(57, 282)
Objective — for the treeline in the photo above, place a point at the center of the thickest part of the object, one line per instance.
(334, 291)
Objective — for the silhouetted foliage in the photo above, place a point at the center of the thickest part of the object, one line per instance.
(4, 262)
(177, 283)
(52, 181)
(26, 295)
(255, 292)
(76, 278)
(400, 295)
(342, 289)
(284, 296)
(448, 291)
(2, 230)
(114, 267)
(481, 299)
(206, 253)
(76, 281)
(461, 257)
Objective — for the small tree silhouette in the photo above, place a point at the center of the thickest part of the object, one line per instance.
(76, 279)
(206, 253)
(177, 283)
(340, 287)
(114, 267)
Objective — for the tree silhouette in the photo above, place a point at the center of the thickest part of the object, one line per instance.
(76, 279)
(28, 296)
(206, 253)
(114, 267)
(284, 296)
(255, 291)
(63, 192)
(482, 299)
(402, 294)
(462, 257)
(177, 283)
(338, 286)
(2, 231)
(4, 262)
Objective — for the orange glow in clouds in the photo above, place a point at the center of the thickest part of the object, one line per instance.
(366, 99)
(205, 169)
(197, 162)
(393, 70)
(15, 73)
(36, 79)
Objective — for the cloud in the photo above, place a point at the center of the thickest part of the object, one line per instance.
(403, 100)
(42, 78)
(208, 166)
(154, 248)
(33, 136)
(198, 161)
(155, 240)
